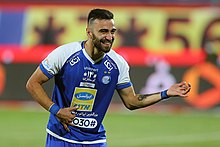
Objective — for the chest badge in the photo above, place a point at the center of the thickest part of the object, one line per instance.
(106, 79)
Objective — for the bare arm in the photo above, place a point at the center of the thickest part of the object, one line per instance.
(35, 88)
(134, 101)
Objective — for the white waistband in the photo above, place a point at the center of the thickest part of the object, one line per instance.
(74, 141)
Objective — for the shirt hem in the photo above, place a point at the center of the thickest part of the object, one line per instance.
(124, 85)
(74, 141)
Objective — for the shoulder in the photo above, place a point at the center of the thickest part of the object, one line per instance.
(66, 50)
(70, 47)
(117, 58)
(57, 58)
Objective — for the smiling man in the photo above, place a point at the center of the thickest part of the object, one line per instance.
(86, 75)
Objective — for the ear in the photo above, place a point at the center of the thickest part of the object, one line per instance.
(89, 32)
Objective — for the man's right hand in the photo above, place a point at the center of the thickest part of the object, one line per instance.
(66, 116)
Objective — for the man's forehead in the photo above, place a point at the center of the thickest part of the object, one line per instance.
(104, 23)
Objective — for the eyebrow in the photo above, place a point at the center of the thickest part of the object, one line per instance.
(106, 30)
(114, 29)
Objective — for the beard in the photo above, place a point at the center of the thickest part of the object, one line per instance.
(103, 44)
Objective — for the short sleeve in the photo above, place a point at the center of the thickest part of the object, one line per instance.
(124, 78)
(53, 63)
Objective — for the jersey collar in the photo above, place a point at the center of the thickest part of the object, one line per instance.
(87, 56)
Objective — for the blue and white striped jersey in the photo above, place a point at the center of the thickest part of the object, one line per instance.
(88, 84)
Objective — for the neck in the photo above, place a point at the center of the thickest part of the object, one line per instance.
(92, 51)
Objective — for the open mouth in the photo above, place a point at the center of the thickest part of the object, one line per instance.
(106, 43)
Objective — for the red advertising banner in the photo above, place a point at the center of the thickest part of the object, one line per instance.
(134, 56)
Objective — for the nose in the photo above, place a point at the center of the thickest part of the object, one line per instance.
(109, 36)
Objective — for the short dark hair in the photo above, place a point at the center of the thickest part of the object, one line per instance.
(99, 14)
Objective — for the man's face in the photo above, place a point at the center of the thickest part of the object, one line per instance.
(103, 34)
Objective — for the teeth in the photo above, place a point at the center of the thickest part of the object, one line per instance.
(106, 43)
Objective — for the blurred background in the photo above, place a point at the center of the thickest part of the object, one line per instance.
(164, 42)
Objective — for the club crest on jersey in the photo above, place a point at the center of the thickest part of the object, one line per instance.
(106, 79)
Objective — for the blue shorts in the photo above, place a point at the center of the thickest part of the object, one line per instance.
(55, 142)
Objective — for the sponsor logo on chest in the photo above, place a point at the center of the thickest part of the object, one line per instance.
(84, 98)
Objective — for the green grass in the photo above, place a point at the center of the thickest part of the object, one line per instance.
(25, 128)
(163, 130)
(22, 128)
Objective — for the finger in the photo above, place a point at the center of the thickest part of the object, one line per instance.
(71, 124)
(64, 121)
(189, 84)
(188, 89)
(73, 108)
(182, 83)
(73, 112)
(65, 127)
(185, 86)
(182, 88)
(182, 93)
